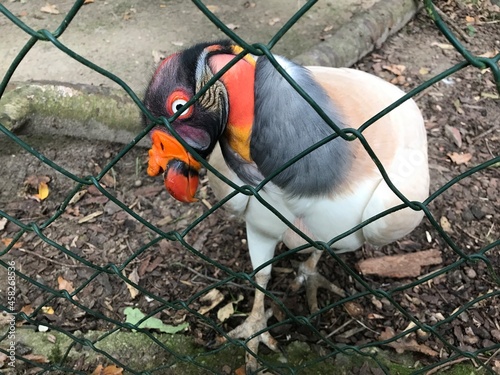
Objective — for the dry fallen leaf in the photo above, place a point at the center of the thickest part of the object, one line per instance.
(27, 309)
(48, 310)
(108, 370)
(39, 184)
(108, 180)
(88, 2)
(134, 277)
(50, 9)
(225, 312)
(65, 284)
(399, 80)
(214, 297)
(34, 180)
(6, 241)
(406, 344)
(460, 158)
(395, 69)
(43, 191)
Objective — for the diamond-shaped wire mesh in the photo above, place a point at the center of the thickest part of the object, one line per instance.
(35, 234)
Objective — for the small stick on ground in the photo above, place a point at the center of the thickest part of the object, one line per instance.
(452, 24)
(52, 260)
(445, 365)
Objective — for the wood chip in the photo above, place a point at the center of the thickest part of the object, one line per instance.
(214, 297)
(274, 21)
(442, 45)
(490, 95)
(213, 8)
(400, 266)
(36, 358)
(3, 223)
(90, 217)
(454, 134)
(354, 309)
(445, 224)
(76, 198)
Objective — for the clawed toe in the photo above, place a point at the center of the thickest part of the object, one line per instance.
(252, 325)
(313, 280)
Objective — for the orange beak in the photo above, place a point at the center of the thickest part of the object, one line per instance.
(180, 168)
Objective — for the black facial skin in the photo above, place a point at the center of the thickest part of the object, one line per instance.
(181, 167)
(203, 128)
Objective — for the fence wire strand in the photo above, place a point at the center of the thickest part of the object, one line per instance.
(201, 359)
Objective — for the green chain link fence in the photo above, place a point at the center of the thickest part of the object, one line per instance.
(174, 356)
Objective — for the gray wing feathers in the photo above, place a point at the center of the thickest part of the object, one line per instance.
(285, 125)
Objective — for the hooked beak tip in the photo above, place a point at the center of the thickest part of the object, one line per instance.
(180, 169)
(181, 181)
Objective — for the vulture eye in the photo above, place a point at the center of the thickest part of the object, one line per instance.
(175, 102)
(177, 105)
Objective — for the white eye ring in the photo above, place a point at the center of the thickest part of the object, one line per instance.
(177, 104)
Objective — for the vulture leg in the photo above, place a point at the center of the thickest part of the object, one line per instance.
(313, 280)
(262, 246)
(255, 322)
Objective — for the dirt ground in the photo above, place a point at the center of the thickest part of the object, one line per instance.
(122, 35)
(462, 116)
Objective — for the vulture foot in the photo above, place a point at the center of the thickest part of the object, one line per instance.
(254, 323)
(313, 280)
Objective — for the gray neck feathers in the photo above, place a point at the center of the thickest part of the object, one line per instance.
(285, 125)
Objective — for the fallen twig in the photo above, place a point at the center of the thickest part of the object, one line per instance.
(452, 24)
(230, 283)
